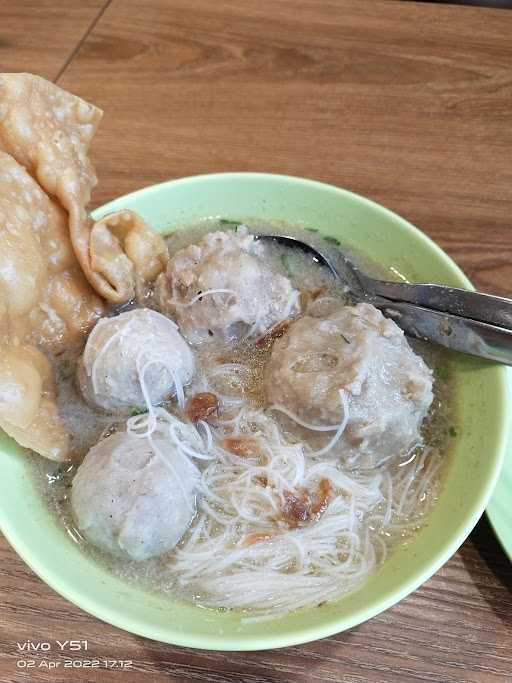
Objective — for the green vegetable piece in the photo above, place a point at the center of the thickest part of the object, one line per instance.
(286, 264)
(332, 240)
(66, 369)
(443, 372)
(230, 224)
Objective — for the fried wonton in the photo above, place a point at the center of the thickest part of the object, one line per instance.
(28, 408)
(127, 254)
(49, 131)
(44, 297)
(45, 300)
(53, 260)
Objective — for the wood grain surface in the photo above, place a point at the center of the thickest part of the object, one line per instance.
(407, 103)
(41, 36)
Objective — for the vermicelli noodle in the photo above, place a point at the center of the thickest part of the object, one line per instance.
(284, 518)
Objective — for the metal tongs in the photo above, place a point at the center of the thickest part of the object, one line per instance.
(465, 321)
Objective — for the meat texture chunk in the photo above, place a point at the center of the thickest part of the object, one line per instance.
(129, 501)
(223, 288)
(135, 358)
(357, 351)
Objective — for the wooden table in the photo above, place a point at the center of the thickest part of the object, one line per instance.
(408, 103)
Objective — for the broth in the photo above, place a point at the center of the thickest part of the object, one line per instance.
(230, 558)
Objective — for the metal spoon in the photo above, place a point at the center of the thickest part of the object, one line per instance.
(470, 322)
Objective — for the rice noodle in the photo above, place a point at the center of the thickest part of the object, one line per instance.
(272, 574)
(243, 551)
(119, 334)
(208, 431)
(285, 568)
(302, 423)
(207, 292)
(185, 437)
(340, 429)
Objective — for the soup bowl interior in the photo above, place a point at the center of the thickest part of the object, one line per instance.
(479, 393)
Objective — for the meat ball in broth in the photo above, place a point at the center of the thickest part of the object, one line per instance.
(135, 345)
(128, 501)
(223, 288)
(386, 387)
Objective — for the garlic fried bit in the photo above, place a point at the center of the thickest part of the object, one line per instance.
(203, 406)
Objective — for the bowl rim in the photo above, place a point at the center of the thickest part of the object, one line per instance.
(333, 624)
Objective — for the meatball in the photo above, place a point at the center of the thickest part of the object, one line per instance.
(121, 352)
(128, 500)
(223, 288)
(387, 387)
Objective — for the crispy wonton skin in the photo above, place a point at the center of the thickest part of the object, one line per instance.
(45, 300)
(28, 408)
(44, 297)
(128, 254)
(49, 131)
(53, 261)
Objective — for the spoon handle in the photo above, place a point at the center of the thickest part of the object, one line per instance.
(453, 331)
(486, 308)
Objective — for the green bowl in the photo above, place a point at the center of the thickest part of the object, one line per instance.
(481, 396)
